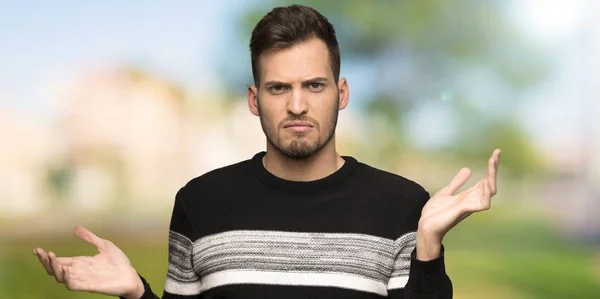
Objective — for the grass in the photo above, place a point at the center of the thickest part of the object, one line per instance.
(520, 254)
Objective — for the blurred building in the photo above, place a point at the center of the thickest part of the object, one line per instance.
(26, 147)
(132, 139)
(124, 139)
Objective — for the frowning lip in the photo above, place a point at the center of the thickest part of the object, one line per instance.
(297, 124)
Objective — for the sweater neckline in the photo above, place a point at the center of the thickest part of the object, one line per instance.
(314, 186)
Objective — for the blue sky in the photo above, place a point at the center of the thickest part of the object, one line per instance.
(180, 39)
(188, 41)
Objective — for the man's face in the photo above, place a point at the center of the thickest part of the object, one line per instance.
(298, 99)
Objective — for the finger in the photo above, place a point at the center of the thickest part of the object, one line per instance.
(498, 152)
(65, 261)
(497, 165)
(486, 201)
(89, 237)
(493, 164)
(471, 198)
(458, 181)
(70, 282)
(58, 275)
(67, 278)
(491, 175)
(43, 257)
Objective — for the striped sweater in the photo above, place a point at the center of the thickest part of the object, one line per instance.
(241, 232)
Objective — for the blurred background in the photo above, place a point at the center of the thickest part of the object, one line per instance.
(107, 108)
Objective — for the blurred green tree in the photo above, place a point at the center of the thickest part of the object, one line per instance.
(464, 53)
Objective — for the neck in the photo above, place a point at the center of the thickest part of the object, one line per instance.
(321, 164)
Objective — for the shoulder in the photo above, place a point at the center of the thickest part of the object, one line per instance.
(215, 188)
(390, 182)
(394, 198)
(224, 175)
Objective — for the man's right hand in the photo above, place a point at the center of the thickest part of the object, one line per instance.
(109, 272)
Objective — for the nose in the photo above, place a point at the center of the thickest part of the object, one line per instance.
(297, 103)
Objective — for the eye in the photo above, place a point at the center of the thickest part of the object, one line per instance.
(316, 86)
(277, 89)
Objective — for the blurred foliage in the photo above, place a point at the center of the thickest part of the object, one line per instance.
(519, 155)
(58, 179)
(511, 253)
(468, 51)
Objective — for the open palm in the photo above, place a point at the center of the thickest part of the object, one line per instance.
(445, 209)
(109, 272)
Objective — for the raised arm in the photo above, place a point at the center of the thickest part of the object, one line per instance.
(413, 278)
(419, 270)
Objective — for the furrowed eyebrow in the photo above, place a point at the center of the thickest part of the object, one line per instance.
(272, 83)
(312, 80)
(315, 80)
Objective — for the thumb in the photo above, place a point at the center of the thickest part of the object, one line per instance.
(89, 237)
(459, 179)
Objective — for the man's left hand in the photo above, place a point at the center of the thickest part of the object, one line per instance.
(445, 210)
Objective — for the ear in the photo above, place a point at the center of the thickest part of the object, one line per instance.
(253, 99)
(344, 91)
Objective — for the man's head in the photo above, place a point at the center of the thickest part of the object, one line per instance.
(296, 64)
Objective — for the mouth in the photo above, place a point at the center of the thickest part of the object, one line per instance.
(298, 126)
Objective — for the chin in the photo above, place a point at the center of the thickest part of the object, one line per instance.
(300, 151)
(300, 154)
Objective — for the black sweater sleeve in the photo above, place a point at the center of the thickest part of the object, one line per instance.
(181, 282)
(412, 278)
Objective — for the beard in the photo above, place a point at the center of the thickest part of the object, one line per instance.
(300, 147)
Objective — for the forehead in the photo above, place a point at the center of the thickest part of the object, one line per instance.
(303, 61)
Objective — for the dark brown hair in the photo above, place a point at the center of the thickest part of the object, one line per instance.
(285, 27)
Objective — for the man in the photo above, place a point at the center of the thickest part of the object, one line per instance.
(299, 220)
